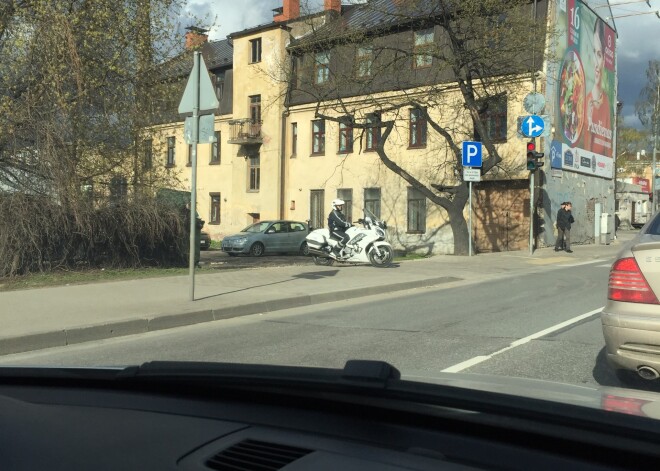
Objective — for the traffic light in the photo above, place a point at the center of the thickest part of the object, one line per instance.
(534, 159)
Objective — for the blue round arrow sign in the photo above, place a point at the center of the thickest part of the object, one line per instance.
(532, 126)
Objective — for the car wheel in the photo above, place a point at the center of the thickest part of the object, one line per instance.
(257, 249)
(304, 249)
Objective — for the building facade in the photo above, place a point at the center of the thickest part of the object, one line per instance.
(286, 151)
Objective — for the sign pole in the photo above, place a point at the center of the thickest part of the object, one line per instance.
(654, 187)
(531, 213)
(472, 160)
(198, 98)
(470, 223)
(193, 178)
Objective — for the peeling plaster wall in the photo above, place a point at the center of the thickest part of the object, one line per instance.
(584, 192)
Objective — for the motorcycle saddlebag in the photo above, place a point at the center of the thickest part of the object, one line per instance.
(316, 240)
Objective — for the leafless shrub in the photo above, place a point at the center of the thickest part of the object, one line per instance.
(37, 234)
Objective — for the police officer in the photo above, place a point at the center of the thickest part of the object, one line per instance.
(338, 224)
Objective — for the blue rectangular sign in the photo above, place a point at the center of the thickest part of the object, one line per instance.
(472, 154)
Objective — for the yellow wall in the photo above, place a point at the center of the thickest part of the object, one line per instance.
(331, 171)
(230, 177)
(361, 169)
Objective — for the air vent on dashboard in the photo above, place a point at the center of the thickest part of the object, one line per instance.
(255, 455)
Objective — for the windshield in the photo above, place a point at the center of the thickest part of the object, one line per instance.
(258, 227)
(369, 214)
(509, 210)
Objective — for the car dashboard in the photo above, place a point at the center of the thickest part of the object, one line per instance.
(64, 424)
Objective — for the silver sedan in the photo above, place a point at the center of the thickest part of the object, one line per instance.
(268, 237)
(631, 317)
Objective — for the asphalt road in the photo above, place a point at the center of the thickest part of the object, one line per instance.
(467, 328)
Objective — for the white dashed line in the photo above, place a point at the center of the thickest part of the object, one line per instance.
(476, 360)
(577, 264)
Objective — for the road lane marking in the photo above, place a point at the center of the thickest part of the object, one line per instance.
(577, 264)
(479, 359)
(548, 261)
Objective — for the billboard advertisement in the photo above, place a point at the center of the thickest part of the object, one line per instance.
(582, 91)
(645, 183)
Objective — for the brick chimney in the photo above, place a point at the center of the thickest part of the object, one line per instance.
(290, 10)
(195, 37)
(334, 5)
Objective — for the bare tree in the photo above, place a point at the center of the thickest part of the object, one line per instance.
(72, 90)
(648, 104)
(75, 105)
(634, 151)
(455, 62)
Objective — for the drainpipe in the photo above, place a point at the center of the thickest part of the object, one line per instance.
(284, 121)
(285, 115)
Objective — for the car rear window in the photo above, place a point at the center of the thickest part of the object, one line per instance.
(654, 227)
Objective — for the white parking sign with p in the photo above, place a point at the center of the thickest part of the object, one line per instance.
(472, 155)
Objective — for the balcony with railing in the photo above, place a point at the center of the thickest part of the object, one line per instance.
(245, 131)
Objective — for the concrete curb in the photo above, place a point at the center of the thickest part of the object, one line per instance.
(88, 333)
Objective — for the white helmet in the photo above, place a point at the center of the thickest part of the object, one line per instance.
(337, 202)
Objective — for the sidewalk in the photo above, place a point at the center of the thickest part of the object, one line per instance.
(50, 317)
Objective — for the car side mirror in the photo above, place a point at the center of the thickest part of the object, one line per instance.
(270, 231)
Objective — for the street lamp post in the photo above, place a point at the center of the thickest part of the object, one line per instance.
(656, 121)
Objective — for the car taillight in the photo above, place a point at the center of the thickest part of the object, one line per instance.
(627, 283)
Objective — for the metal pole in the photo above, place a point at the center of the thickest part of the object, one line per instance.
(531, 174)
(531, 213)
(656, 119)
(470, 223)
(193, 178)
(653, 173)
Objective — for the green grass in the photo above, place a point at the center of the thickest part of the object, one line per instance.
(64, 278)
(409, 256)
(216, 244)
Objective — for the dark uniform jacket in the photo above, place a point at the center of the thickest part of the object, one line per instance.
(564, 219)
(337, 221)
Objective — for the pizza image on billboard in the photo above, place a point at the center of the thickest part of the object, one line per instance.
(571, 97)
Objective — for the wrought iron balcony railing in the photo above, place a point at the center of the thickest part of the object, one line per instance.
(245, 131)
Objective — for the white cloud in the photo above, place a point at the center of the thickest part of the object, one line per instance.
(224, 17)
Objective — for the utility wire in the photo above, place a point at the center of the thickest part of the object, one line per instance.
(657, 13)
(622, 3)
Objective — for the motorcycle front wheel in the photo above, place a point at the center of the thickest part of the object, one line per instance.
(381, 256)
(326, 262)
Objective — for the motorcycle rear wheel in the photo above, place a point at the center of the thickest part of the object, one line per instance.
(326, 262)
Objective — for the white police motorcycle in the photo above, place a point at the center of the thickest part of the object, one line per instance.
(366, 245)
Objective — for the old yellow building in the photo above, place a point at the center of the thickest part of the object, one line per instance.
(238, 176)
(282, 153)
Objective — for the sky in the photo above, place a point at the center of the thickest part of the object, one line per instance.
(637, 41)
